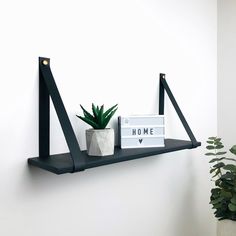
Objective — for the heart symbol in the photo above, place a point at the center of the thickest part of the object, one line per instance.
(140, 140)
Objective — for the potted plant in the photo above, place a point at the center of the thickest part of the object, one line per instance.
(223, 195)
(99, 140)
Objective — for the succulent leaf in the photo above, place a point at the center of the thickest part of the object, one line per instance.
(87, 114)
(100, 116)
(95, 112)
(110, 110)
(88, 121)
(108, 117)
(99, 119)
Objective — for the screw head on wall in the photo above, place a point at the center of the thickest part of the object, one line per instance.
(45, 62)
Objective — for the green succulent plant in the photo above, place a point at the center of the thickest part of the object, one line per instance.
(223, 170)
(99, 118)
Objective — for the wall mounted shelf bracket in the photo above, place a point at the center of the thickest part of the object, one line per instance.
(77, 160)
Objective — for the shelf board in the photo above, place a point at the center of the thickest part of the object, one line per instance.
(62, 163)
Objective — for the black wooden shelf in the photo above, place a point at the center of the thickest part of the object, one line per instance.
(77, 160)
(62, 163)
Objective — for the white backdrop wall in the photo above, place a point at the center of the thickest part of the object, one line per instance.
(227, 71)
(107, 52)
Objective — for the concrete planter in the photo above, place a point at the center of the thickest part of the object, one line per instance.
(226, 228)
(100, 142)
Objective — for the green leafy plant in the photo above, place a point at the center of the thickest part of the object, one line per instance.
(223, 170)
(99, 118)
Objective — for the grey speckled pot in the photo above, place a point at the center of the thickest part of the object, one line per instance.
(100, 142)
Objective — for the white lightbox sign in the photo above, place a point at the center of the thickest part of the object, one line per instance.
(141, 131)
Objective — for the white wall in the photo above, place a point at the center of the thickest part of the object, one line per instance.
(107, 51)
(227, 71)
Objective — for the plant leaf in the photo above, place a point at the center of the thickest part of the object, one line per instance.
(219, 165)
(210, 147)
(212, 138)
(210, 154)
(216, 159)
(210, 142)
(216, 206)
(212, 170)
(218, 143)
(233, 200)
(215, 191)
(110, 110)
(227, 185)
(219, 146)
(216, 173)
(227, 176)
(217, 200)
(217, 182)
(95, 112)
(220, 153)
(233, 149)
(217, 140)
(101, 117)
(225, 194)
(87, 114)
(232, 207)
(88, 121)
(230, 167)
(107, 119)
(230, 159)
